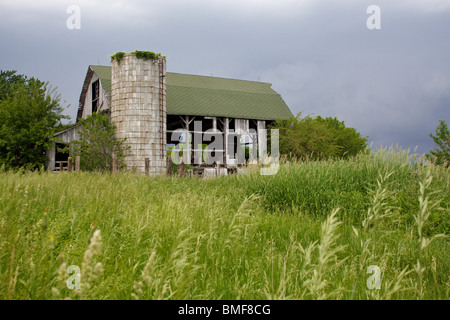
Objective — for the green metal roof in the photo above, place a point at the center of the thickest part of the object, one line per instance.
(104, 74)
(212, 96)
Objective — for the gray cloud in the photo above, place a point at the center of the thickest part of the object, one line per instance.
(391, 84)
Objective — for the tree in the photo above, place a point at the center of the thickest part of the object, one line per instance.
(30, 112)
(98, 143)
(317, 138)
(441, 154)
(9, 81)
(348, 141)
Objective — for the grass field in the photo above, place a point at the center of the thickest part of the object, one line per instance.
(310, 232)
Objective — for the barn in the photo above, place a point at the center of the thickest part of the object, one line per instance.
(155, 110)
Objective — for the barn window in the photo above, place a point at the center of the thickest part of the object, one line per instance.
(95, 95)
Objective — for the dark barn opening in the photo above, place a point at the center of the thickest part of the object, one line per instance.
(61, 156)
(95, 95)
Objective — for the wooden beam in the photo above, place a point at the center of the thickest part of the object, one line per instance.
(147, 166)
(169, 166)
(114, 163)
(181, 169)
(77, 163)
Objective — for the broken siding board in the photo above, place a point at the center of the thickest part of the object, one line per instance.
(104, 100)
(241, 126)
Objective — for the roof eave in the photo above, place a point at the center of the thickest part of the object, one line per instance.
(84, 90)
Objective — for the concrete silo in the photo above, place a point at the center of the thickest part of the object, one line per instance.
(138, 109)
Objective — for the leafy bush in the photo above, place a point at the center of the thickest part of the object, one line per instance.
(318, 138)
(98, 143)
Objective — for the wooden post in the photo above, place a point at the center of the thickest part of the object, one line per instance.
(226, 130)
(147, 166)
(69, 164)
(77, 163)
(169, 166)
(181, 169)
(114, 163)
(61, 169)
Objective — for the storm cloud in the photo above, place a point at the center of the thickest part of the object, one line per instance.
(391, 84)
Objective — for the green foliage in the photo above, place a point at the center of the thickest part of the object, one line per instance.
(318, 138)
(97, 144)
(146, 55)
(441, 154)
(63, 126)
(118, 56)
(348, 141)
(9, 82)
(30, 113)
(316, 187)
(172, 238)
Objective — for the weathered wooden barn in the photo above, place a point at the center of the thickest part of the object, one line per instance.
(149, 105)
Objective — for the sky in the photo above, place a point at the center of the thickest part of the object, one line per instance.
(391, 83)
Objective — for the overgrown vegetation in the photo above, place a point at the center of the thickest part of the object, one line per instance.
(98, 143)
(30, 112)
(309, 232)
(441, 154)
(146, 55)
(118, 56)
(318, 138)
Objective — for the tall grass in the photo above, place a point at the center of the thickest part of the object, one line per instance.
(309, 232)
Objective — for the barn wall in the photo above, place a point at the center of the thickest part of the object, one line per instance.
(65, 136)
(103, 99)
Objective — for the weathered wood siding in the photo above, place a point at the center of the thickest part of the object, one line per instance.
(103, 103)
(65, 136)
